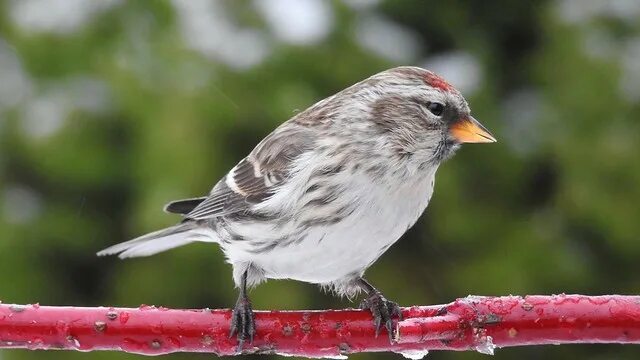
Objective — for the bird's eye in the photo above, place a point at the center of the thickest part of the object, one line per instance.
(436, 108)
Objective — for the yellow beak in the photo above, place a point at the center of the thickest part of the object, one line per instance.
(469, 130)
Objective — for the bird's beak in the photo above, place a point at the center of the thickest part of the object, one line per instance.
(469, 130)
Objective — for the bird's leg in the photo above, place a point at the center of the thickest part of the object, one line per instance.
(242, 320)
(382, 309)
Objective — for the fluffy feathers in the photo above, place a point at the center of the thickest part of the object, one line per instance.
(330, 190)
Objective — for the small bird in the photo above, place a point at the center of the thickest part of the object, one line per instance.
(323, 196)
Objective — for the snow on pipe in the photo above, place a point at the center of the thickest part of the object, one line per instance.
(472, 323)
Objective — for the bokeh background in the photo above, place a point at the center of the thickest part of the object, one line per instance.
(111, 108)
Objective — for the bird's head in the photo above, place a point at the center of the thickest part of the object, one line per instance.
(419, 115)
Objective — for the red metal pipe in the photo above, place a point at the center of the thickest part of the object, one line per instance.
(472, 323)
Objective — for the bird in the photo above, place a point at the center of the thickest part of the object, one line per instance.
(325, 194)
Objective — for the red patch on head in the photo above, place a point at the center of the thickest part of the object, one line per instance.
(437, 82)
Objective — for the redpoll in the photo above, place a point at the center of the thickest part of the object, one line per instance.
(328, 191)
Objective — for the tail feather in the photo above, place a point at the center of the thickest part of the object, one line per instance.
(183, 207)
(159, 241)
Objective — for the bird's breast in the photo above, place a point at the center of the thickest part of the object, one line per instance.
(341, 236)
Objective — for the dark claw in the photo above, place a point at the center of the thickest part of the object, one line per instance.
(243, 323)
(383, 311)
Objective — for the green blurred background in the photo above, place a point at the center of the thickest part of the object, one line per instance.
(111, 108)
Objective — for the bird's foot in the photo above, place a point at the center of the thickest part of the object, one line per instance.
(243, 323)
(383, 312)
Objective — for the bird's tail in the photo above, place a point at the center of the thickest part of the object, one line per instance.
(162, 240)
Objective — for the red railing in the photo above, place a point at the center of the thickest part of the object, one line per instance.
(472, 323)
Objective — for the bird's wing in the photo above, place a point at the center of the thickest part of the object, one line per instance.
(258, 176)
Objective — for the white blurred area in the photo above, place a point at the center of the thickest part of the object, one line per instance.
(521, 112)
(581, 11)
(16, 85)
(299, 22)
(45, 113)
(56, 16)
(207, 28)
(20, 204)
(630, 82)
(387, 39)
(44, 107)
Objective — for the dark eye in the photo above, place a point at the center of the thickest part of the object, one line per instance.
(436, 108)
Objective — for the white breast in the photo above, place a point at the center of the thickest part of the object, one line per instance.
(344, 249)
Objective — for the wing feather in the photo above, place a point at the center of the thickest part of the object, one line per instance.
(258, 176)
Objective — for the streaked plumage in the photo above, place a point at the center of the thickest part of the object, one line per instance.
(330, 190)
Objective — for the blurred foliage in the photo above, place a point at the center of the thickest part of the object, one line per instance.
(551, 208)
